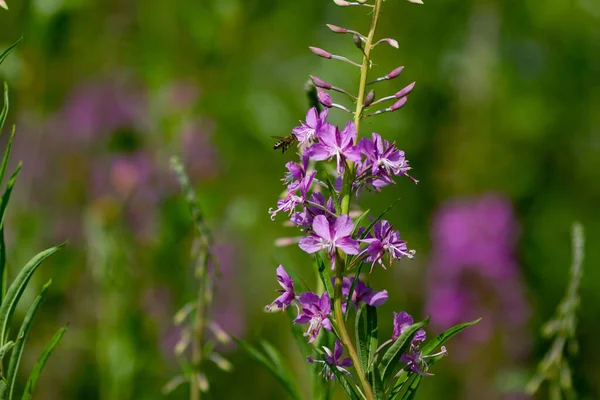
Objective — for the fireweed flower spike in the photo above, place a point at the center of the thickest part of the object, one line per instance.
(315, 312)
(323, 189)
(333, 360)
(287, 293)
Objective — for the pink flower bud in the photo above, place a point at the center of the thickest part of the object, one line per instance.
(320, 52)
(394, 73)
(391, 42)
(320, 83)
(341, 3)
(3, 4)
(324, 98)
(369, 98)
(333, 28)
(399, 104)
(405, 91)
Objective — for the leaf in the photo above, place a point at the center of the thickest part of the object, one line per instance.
(4, 111)
(443, 337)
(361, 339)
(411, 392)
(7, 193)
(334, 195)
(15, 358)
(6, 52)
(324, 274)
(372, 334)
(376, 220)
(377, 385)
(287, 384)
(348, 386)
(359, 220)
(41, 362)
(7, 154)
(352, 287)
(275, 356)
(3, 269)
(16, 289)
(5, 349)
(392, 356)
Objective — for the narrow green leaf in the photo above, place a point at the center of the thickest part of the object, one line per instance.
(324, 274)
(5, 107)
(372, 334)
(361, 339)
(287, 384)
(443, 337)
(16, 289)
(3, 269)
(7, 193)
(392, 356)
(275, 356)
(5, 349)
(376, 220)
(334, 196)
(6, 52)
(352, 287)
(7, 154)
(348, 386)
(411, 392)
(298, 333)
(15, 358)
(359, 220)
(377, 384)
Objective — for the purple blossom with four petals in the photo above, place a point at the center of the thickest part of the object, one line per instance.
(307, 132)
(333, 143)
(315, 312)
(333, 360)
(287, 293)
(330, 235)
(385, 241)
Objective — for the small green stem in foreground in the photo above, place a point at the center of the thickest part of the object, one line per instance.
(199, 321)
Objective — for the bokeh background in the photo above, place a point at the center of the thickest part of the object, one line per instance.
(502, 131)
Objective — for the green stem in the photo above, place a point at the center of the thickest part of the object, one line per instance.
(199, 322)
(346, 195)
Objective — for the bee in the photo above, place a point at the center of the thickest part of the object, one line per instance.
(284, 142)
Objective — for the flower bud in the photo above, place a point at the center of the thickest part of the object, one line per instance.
(318, 82)
(399, 104)
(394, 73)
(356, 40)
(369, 98)
(3, 4)
(320, 52)
(391, 42)
(405, 91)
(341, 3)
(324, 98)
(416, 1)
(333, 28)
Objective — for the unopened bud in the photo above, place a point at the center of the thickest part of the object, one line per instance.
(369, 98)
(320, 52)
(341, 3)
(391, 42)
(399, 104)
(333, 28)
(320, 83)
(405, 91)
(324, 98)
(394, 73)
(416, 1)
(357, 41)
(3, 4)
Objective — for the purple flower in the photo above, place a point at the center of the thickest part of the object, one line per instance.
(308, 131)
(288, 295)
(383, 160)
(332, 360)
(362, 293)
(293, 198)
(415, 361)
(385, 241)
(401, 322)
(333, 143)
(329, 236)
(315, 312)
(315, 206)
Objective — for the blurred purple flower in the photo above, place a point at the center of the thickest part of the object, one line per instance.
(333, 359)
(315, 312)
(474, 273)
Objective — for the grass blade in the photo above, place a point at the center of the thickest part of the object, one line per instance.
(443, 337)
(361, 339)
(376, 220)
(324, 274)
(16, 289)
(4, 111)
(15, 358)
(41, 363)
(285, 382)
(6, 52)
(7, 193)
(7, 154)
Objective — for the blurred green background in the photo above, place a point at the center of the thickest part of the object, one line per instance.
(103, 93)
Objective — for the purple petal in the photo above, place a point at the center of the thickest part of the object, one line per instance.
(348, 245)
(311, 117)
(376, 299)
(319, 152)
(284, 279)
(310, 244)
(327, 324)
(308, 299)
(338, 350)
(343, 226)
(302, 319)
(321, 227)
